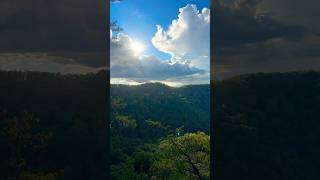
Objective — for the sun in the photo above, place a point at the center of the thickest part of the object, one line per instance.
(137, 48)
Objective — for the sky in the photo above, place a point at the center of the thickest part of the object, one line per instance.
(69, 36)
(66, 36)
(174, 53)
(253, 36)
(141, 18)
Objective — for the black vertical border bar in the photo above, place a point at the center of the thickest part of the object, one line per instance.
(213, 8)
(107, 90)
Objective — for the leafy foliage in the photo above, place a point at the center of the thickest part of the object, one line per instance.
(188, 106)
(267, 126)
(53, 126)
(160, 125)
(183, 157)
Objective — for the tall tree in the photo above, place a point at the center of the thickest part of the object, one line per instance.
(183, 157)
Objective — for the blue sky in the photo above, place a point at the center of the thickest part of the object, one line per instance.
(139, 18)
(161, 43)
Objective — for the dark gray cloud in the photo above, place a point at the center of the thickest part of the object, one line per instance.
(64, 30)
(294, 11)
(50, 25)
(241, 22)
(251, 37)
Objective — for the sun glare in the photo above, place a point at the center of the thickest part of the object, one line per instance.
(137, 48)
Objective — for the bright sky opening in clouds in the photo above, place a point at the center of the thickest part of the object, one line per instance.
(162, 41)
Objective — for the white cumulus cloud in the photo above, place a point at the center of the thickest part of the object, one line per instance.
(187, 38)
(126, 64)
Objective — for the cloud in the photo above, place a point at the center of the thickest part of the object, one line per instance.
(242, 22)
(44, 35)
(294, 11)
(143, 68)
(187, 38)
(41, 25)
(250, 38)
(42, 62)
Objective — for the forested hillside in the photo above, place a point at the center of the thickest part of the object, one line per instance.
(188, 106)
(267, 127)
(160, 132)
(53, 126)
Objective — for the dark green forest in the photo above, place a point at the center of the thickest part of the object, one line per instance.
(266, 126)
(160, 132)
(55, 126)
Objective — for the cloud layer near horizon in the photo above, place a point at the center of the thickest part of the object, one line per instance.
(43, 62)
(124, 64)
